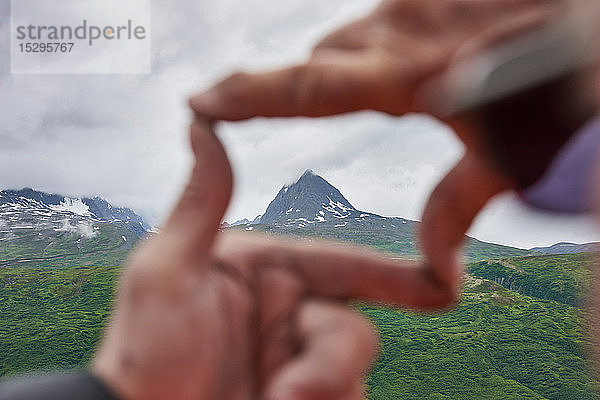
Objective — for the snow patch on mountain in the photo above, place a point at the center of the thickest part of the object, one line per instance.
(76, 206)
(51, 214)
(244, 221)
(311, 199)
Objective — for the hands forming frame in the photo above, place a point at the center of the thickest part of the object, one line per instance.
(207, 314)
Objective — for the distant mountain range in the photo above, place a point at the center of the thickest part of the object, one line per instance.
(517, 334)
(50, 206)
(35, 225)
(313, 207)
(565, 248)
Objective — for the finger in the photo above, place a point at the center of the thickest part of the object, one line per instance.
(338, 345)
(198, 213)
(334, 83)
(358, 392)
(526, 19)
(340, 271)
(347, 272)
(451, 208)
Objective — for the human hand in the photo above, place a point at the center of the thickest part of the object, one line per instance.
(379, 63)
(204, 314)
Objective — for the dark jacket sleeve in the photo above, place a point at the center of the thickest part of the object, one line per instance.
(524, 132)
(72, 386)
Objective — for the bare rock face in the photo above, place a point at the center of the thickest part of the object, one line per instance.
(51, 223)
(310, 200)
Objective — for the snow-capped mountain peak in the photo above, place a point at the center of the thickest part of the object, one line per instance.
(76, 206)
(30, 208)
(313, 203)
(311, 199)
(62, 230)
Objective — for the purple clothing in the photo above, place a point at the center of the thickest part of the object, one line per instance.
(566, 186)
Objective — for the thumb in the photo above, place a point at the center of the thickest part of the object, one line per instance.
(198, 213)
(451, 209)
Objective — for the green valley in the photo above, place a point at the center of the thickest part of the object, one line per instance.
(497, 344)
(519, 332)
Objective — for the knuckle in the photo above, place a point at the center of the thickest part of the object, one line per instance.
(275, 271)
(271, 257)
(306, 87)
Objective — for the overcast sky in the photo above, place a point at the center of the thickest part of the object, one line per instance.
(124, 137)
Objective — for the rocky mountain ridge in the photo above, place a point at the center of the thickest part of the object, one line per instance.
(43, 226)
(311, 206)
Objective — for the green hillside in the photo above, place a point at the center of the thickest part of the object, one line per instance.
(395, 237)
(52, 318)
(550, 277)
(107, 245)
(523, 340)
(498, 344)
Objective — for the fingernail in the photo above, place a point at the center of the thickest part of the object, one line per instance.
(204, 102)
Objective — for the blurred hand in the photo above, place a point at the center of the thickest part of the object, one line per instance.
(204, 314)
(379, 63)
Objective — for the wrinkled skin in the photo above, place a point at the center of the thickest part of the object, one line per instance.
(204, 314)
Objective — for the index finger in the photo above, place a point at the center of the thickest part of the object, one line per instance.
(350, 272)
(340, 271)
(196, 217)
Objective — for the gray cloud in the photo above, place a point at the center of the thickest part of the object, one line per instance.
(124, 137)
